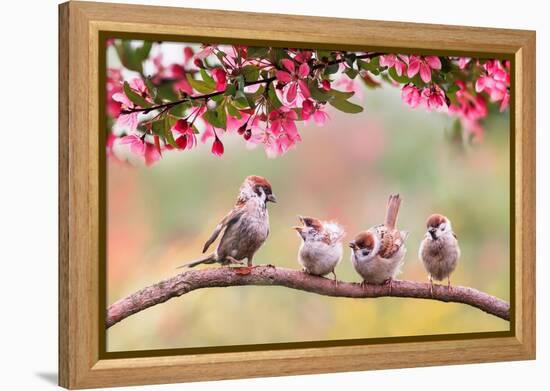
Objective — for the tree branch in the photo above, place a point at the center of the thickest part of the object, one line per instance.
(271, 276)
(205, 97)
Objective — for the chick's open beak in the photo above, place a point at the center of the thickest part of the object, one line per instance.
(272, 198)
(300, 231)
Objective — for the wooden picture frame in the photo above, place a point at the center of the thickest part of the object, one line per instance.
(81, 310)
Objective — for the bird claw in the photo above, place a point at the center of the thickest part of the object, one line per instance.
(389, 282)
(233, 261)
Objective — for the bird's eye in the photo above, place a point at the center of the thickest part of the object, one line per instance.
(366, 252)
(443, 227)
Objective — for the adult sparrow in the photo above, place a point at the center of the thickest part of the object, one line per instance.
(377, 253)
(439, 250)
(245, 227)
(321, 248)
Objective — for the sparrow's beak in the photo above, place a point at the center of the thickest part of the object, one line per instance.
(300, 231)
(431, 231)
(272, 198)
(352, 245)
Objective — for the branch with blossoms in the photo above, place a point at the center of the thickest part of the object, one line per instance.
(261, 94)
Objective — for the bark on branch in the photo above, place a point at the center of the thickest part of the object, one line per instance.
(267, 275)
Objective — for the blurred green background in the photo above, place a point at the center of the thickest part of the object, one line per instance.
(159, 218)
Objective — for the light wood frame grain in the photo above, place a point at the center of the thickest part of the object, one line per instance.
(80, 315)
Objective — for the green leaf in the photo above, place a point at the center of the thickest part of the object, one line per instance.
(135, 97)
(153, 92)
(168, 131)
(210, 82)
(350, 58)
(222, 116)
(317, 93)
(323, 54)
(240, 83)
(453, 89)
(128, 56)
(400, 79)
(250, 73)
(351, 73)
(165, 91)
(417, 81)
(273, 98)
(373, 65)
(346, 106)
(143, 51)
(250, 100)
(341, 95)
(216, 118)
(179, 110)
(158, 127)
(199, 85)
(233, 111)
(277, 54)
(230, 90)
(241, 103)
(333, 68)
(256, 52)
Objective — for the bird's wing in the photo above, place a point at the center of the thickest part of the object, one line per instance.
(391, 241)
(229, 219)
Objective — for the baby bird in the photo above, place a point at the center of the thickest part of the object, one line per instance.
(245, 228)
(321, 248)
(439, 249)
(377, 254)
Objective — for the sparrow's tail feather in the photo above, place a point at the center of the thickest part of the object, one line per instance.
(209, 259)
(394, 202)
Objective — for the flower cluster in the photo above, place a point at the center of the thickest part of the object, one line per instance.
(260, 94)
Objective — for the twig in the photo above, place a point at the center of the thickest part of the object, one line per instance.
(268, 80)
(267, 275)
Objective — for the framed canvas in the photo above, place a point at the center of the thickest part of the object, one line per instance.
(230, 186)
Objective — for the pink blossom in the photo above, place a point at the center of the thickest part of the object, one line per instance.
(325, 85)
(130, 120)
(114, 86)
(505, 102)
(433, 97)
(151, 155)
(220, 77)
(188, 54)
(470, 106)
(313, 110)
(495, 82)
(140, 147)
(205, 51)
(279, 144)
(424, 65)
(463, 62)
(233, 124)
(283, 121)
(293, 79)
(411, 95)
(187, 138)
(393, 61)
(217, 146)
(303, 55)
(136, 143)
(350, 85)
